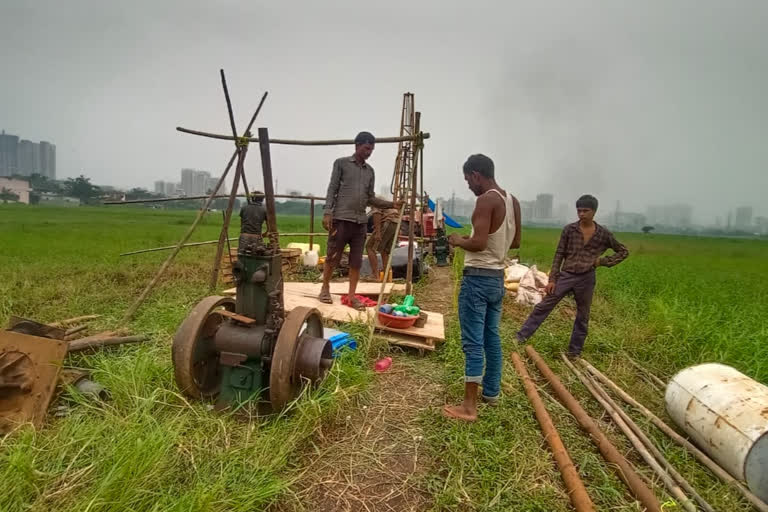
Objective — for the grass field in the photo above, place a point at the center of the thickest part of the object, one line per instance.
(674, 302)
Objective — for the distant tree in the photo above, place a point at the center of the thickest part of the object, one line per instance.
(7, 194)
(140, 193)
(81, 188)
(647, 229)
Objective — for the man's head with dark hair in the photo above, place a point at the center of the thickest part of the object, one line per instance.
(256, 197)
(586, 206)
(587, 201)
(364, 144)
(479, 173)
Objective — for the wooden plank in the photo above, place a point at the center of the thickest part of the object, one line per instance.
(434, 328)
(338, 288)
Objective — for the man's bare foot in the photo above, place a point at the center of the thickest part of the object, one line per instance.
(459, 412)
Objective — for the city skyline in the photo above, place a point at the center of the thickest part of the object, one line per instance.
(22, 157)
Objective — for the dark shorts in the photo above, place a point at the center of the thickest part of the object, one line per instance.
(387, 235)
(343, 233)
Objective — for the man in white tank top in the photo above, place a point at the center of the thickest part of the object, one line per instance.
(495, 230)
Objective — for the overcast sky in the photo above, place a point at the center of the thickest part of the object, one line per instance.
(644, 102)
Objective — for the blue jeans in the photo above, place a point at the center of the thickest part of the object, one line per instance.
(480, 303)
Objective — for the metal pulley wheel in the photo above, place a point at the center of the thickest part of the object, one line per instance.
(195, 359)
(301, 356)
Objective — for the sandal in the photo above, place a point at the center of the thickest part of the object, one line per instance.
(325, 297)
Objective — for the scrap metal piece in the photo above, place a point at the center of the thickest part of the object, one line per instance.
(29, 370)
(35, 328)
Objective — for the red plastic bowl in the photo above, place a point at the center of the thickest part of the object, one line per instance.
(397, 322)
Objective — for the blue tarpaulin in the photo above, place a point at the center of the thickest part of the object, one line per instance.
(448, 221)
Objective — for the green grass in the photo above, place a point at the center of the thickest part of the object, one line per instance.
(676, 301)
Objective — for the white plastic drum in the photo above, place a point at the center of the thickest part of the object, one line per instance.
(726, 414)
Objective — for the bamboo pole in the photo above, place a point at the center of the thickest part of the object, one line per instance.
(209, 242)
(74, 320)
(192, 198)
(145, 293)
(674, 489)
(633, 481)
(387, 268)
(577, 493)
(702, 457)
(687, 487)
(330, 142)
(647, 373)
(412, 210)
(84, 344)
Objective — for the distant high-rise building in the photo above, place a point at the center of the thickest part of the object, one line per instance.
(761, 223)
(198, 183)
(9, 154)
(29, 158)
(187, 179)
(160, 187)
(47, 159)
(670, 215)
(543, 208)
(743, 218)
(527, 209)
(171, 189)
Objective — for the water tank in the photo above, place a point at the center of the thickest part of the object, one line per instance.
(726, 414)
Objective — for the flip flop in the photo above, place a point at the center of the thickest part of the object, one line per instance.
(325, 297)
(354, 303)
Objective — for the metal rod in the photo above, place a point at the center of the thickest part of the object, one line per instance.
(674, 490)
(311, 223)
(330, 142)
(227, 217)
(135, 306)
(577, 493)
(191, 198)
(597, 389)
(641, 491)
(702, 457)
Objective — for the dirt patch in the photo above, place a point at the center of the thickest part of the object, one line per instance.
(437, 294)
(372, 460)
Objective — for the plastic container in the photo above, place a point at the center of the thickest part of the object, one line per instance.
(303, 246)
(726, 413)
(382, 365)
(311, 258)
(396, 322)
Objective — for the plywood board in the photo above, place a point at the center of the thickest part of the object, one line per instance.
(339, 288)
